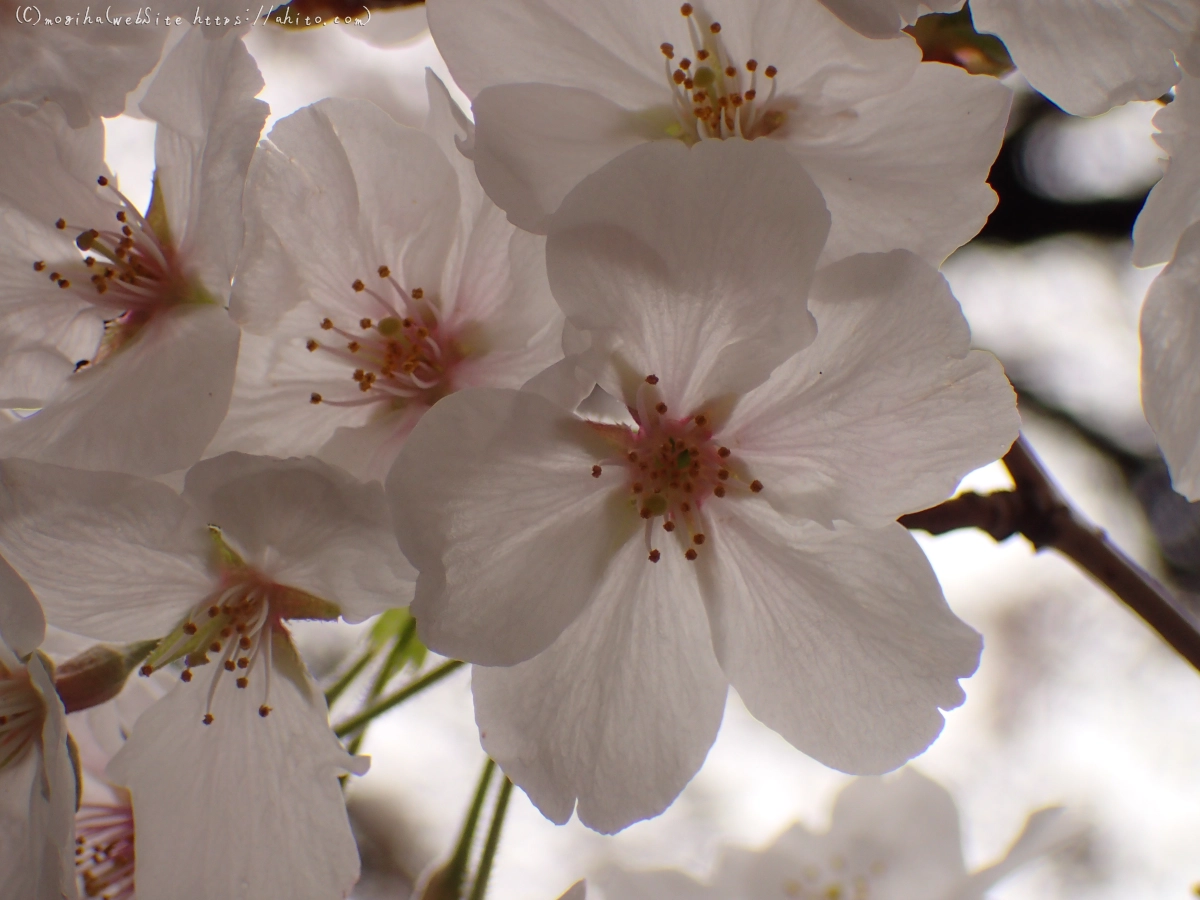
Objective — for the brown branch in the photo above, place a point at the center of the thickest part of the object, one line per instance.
(1037, 510)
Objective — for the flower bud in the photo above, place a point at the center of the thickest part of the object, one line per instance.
(97, 674)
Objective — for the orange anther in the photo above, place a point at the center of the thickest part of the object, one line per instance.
(756, 485)
(655, 556)
(690, 556)
(384, 272)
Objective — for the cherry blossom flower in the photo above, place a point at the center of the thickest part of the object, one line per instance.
(893, 839)
(1090, 56)
(377, 279)
(1170, 331)
(113, 324)
(731, 519)
(560, 87)
(85, 68)
(1174, 203)
(251, 543)
(37, 785)
(884, 18)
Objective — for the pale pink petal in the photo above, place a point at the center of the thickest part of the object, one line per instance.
(307, 525)
(494, 502)
(886, 410)
(617, 715)
(247, 807)
(113, 557)
(208, 124)
(1170, 331)
(150, 408)
(1174, 203)
(885, 173)
(693, 263)
(840, 641)
(1088, 56)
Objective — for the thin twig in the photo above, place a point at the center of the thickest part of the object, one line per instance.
(1037, 510)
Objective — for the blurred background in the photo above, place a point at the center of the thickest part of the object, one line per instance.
(1076, 701)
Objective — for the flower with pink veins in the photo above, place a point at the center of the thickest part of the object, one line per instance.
(729, 517)
(251, 543)
(377, 279)
(37, 784)
(113, 324)
(560, 87)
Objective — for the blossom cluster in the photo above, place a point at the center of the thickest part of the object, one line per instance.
(622, 380)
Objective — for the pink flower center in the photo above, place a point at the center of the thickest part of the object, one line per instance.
(235, 627)
(22, 712)
(674, 467)
(128, 269)
(398, 355)
(104, 850)
(715, 96)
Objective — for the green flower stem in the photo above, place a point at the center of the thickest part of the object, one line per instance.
(456, 869)
(479, 888)
(339, 687)
(354, 723)
(394, 661)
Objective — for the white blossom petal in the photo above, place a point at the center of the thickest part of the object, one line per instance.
(150, 408)
(50, 169)
(1170, 330)
(307, 525)
(112, 557)
(86, 67)
(886, 410)
(1088, 56)
(840, 641)
(703, 288)
(55, 792)
(556, 41)
(1174, 203)
(22, 623)
(535, 142)
(884, 18)
(208, 124)
(894, 147)
(618, 714)
(245, 808)
(37, 805)
(494, 502)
